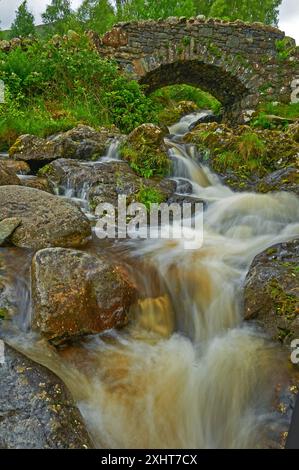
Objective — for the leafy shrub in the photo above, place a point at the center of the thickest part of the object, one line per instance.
(285, 48)
(57, 84)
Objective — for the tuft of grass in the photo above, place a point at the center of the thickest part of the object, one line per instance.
(250, 147)
(148, 196)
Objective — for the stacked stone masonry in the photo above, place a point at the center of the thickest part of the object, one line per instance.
(239, 63)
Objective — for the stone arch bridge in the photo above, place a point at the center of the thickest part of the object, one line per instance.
(241, 64)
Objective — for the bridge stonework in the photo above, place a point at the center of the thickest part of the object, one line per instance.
(241, 64)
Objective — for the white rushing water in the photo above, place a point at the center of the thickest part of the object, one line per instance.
(187, 373)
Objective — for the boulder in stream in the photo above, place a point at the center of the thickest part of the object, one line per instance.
(46, 220)
(272, 291)
(75, 294)
(36, 409)
(81, 143)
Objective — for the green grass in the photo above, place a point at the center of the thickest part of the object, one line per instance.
(284, 111)
(148, 196)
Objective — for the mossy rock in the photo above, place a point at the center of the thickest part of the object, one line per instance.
(272, 291)
(146, 152)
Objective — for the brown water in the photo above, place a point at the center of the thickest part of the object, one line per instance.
(187, 372)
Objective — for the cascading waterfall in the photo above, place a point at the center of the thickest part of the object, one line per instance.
(187, 373)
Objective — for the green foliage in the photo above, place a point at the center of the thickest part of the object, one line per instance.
(266, 11)
(96, 15)
(23, 24)
(231, 160)
(151, 9)
(213, 49)
(248, 155)
(287, 111)
(186, 41)
(3, 313)
(285, 304)
(148, 195)
(250, 147)
(168, 96)
(58, 14)
(128, 106)
(285, 48)
(57, 84)
(145, 161)
(262, 120)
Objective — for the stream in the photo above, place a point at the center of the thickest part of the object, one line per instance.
(187, 372)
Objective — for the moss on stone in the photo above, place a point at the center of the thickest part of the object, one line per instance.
(3, 313)
(146, 161)
(45, 170)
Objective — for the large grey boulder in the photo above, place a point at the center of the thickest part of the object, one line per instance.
(46, 220)
(36, 409)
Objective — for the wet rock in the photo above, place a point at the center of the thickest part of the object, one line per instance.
(18, 167)
(208, 117)
(36, 409)
(7, 294)
(7, 227)
(80, 143)
(185, 199)
(272, 291)
(183, 186)
(101, 181)
(146, 152)
(7, 176)
(77, 294)
(286, 179)
(46, 219)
